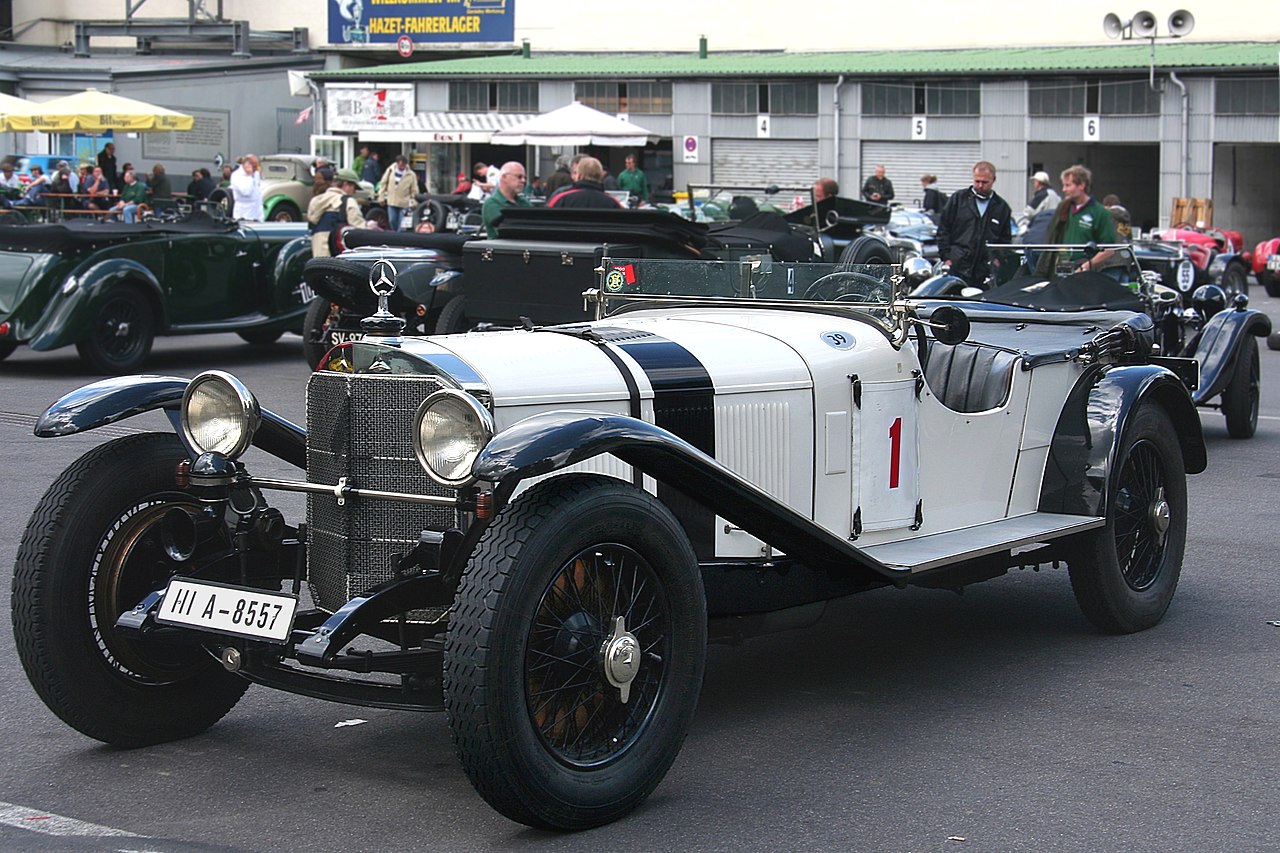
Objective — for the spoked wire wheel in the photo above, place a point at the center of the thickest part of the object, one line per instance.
(1142, 517)
(595, 655)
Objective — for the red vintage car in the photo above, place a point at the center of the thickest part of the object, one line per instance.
(1266, 265)
(1216, 252)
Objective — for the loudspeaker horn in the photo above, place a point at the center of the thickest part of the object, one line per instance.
(1181, 22)
(1144, 24)
(1113, 26)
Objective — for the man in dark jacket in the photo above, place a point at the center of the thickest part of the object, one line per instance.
(971, 219)
(587, 190)
(878, 188)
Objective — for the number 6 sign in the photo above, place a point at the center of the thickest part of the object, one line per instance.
(1092, 129)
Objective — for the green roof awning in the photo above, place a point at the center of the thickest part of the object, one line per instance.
(1128, 56)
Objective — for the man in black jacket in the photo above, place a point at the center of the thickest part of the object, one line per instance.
(588, 190)
(970, 220)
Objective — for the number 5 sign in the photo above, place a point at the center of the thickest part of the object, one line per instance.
(1092, 129)
(919, 127)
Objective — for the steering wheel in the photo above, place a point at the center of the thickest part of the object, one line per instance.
(868, 288)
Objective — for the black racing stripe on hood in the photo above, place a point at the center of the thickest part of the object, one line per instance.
(683, 403)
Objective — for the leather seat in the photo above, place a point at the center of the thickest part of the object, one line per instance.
(970, 377)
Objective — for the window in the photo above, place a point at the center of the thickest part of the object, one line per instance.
(793, 99)
(952, 99)
(1128, 98)
(1234, 97)
(888, 99)
(1057, 97)
(515, 96)
(629, 97)
(935, 99)
(737, 99)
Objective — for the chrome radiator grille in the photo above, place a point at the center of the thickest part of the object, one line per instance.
(359, 427)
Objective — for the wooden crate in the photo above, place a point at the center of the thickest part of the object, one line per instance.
(1192, 211)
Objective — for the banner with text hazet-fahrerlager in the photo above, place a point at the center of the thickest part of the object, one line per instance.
(385, 21)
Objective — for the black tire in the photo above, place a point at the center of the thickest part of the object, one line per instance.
(319, 316)
(1241, 396)
(87, 555)
(865, 249)
(1273, 341)
(285, 211)
(260, 338)
(1124, 574)
(222, 198)
(541, 732)
(1235, 279)
(429, 211)
(7, 348)
(1270, 282)
(121, 334)
(453, 317)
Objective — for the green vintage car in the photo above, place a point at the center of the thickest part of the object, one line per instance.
(110, 288)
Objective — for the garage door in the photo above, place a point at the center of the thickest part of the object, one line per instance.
(760, 162)
(904, 163)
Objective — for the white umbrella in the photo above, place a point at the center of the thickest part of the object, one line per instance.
(575, 124)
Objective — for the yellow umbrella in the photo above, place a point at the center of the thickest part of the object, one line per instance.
(95, 111)
(10, 104)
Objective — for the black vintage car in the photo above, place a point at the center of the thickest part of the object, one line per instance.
(1192, 321)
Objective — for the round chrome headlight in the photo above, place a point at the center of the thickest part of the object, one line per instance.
(451, 428)
(219, 414)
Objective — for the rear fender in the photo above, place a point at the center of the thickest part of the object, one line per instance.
(1217, 345)
(554, 440)
(288, 288)
(120, 397)
(1082, 455)
(72, 309)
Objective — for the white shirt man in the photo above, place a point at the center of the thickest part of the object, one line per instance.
(246, 191)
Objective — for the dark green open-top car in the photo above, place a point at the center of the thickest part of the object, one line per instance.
(110, 288)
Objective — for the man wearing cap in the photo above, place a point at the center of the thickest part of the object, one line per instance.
(333, 208)
(1033, 224)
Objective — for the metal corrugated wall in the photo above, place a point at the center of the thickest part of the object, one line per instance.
(905, 162)
(758, 162)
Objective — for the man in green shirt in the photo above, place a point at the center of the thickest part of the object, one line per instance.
(510, 193)
(632, 180)
(1081, 218)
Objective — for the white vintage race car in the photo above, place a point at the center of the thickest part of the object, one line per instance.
(537, 530)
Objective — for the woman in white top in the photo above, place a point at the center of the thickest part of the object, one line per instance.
(246, 190)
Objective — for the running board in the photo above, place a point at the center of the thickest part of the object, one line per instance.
(944, 549)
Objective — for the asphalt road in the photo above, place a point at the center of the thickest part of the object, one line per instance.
(903, 721)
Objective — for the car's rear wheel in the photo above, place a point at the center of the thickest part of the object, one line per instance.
(1240, 398)
(1235, 280)
(453, 317)
(260, 338)
(575, 653)
(285, 211)
(91, 551)
(1125, 573)
(1270, 282)
(866, 249)
(222, 198)
(120, 336)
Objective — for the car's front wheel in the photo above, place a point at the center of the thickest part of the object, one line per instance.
(91, 551)
(1125, 573)
(1241, 396)
(453, 317)
(575, 653)
(1271, 282)
(285, 211)
(320, 314)
(120, 336)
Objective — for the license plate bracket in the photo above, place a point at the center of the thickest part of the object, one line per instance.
(219, 608)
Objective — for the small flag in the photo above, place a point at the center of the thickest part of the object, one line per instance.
(304, 116)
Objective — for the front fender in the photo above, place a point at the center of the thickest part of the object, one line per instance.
(1217, 345)
(120, 397)
(69, 316)
(1082, 455)
(551, 441)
